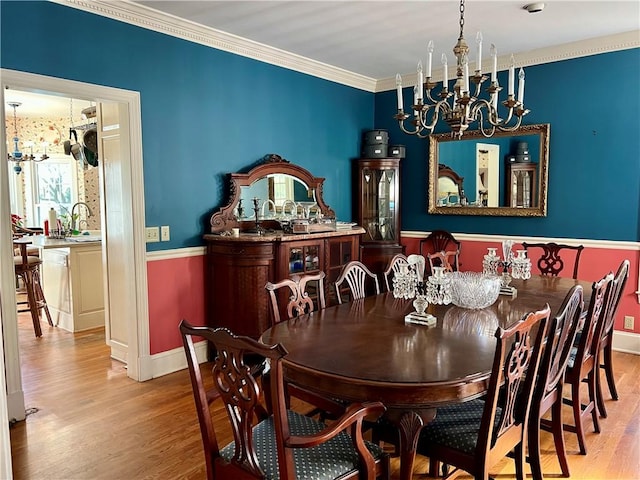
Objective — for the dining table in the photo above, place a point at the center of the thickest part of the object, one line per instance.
(365, 351)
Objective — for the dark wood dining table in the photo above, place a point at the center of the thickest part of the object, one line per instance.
(364, 351)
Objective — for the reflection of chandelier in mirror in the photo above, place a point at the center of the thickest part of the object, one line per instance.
(466, 106)
(17, 156)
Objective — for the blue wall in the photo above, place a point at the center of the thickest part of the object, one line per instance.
(594, 158)
(205, 112)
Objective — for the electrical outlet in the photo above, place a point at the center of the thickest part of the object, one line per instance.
(628, 322)
(165, 236)
(153, 234)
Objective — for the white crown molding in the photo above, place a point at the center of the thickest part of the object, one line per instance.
(150, 19)
(141, 16)
(556, 53)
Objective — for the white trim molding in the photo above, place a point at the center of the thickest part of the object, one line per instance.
(175, 360)
(145, 17)
(626, 342)
(176, 253)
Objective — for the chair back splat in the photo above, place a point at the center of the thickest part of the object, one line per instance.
(285, 445)
(360, 280)
(551, 263)
(441, 242)
(476, 434)
(299, 300)
(548, 389)
(393, 268)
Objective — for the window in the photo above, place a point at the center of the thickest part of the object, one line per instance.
(52, 183)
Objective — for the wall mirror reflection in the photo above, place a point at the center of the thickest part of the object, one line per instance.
(505, 175)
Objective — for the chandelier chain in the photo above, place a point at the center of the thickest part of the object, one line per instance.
(461, 18)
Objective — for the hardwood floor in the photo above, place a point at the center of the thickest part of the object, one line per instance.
(93, 422)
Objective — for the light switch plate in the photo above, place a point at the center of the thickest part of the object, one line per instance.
(165, 235)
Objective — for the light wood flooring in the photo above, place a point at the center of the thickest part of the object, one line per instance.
(90, 421)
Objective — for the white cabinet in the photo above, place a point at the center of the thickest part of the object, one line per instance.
(73, 286)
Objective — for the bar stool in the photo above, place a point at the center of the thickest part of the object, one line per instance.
(27, 267)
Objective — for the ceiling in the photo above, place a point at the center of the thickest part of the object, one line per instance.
(374, 39)
(378, 39)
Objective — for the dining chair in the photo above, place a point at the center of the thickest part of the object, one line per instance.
(440, 241)
(547, 394)
(605, 358)
(474, 435)
(27, 267)
(550, 263)
(283, 445)
(300, 301)
(360, 281)
(583, 363)
(393, 268)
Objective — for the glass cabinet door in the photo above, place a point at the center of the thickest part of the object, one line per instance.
(378, 199)
(304, 259)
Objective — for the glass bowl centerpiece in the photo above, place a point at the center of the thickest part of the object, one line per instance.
(473, 290)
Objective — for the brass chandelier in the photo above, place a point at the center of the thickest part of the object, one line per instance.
(17, 156)
(462, 107)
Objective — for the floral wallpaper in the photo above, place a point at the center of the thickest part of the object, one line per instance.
(54, 131)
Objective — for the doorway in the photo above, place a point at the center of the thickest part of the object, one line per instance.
(125, 240)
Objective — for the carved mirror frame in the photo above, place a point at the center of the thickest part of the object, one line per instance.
(542, 130)
(273, 164)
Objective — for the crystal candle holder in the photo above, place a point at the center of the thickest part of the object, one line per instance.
(437, 287)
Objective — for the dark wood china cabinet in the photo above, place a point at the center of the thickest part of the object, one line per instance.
(377, 210)
(238, 267)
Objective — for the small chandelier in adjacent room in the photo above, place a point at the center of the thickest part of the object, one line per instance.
(463, 106)
(17, 157)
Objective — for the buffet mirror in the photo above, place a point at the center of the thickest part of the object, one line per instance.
(504, 175)
(275, 191)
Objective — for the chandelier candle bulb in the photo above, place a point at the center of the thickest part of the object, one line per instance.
(479, 54)
(512, 76)
(429, 57)
(420, 80)
(521, 86)
(445, 71)
(465, 73)
(494, 70)
(399, 90)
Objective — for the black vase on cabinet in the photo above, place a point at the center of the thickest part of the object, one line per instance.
(377, 210)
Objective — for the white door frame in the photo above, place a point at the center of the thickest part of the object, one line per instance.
(134, 267)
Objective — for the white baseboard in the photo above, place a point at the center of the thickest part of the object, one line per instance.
(626, 342)
(16, 406)
(175, 360)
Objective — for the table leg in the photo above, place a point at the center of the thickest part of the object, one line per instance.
(410, 424)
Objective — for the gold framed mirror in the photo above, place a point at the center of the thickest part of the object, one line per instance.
(504, 175)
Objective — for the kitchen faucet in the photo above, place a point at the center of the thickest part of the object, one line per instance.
(73, 220)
